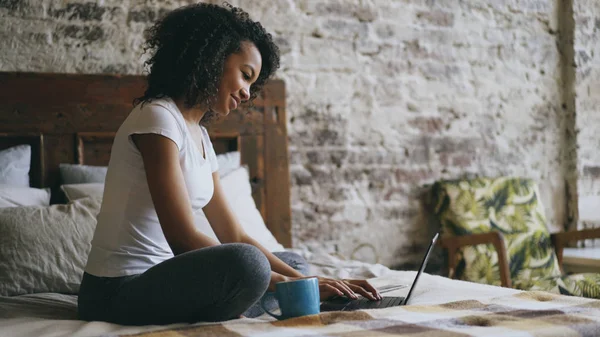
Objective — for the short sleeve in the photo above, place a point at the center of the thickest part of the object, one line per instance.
(155, 118)
(212, 156)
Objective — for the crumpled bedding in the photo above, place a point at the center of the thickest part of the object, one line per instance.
(52, 315)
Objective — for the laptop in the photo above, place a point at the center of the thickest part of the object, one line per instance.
(343, 303)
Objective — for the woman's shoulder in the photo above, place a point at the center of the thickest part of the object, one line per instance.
(157, 110)
(156, 116)
(159, 105)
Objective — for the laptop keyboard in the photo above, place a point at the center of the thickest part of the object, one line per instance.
(365, 303)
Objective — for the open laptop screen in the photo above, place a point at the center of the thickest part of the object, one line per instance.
(422, 268)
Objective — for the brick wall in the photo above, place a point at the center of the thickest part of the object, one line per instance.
(587, 88)
(384, 97)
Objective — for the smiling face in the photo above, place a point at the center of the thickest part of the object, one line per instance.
(240, 70)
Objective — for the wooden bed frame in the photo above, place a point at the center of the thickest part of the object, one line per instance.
(72, 118)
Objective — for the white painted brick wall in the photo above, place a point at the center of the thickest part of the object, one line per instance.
(587, 53)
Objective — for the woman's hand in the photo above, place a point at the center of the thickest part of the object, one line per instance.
(276, 278)
(329, 287)
(350, 288)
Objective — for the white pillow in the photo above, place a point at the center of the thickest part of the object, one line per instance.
(82, 174)
(78, 191)
(238, 193)
(228, 162)
(14, 166)
(11, 196)
(44, 249)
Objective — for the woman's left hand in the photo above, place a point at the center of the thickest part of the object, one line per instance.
(331, 287)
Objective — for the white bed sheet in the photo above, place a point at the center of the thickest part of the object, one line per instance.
(54, 314)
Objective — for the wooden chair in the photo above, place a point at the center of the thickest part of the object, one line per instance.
(494, 230)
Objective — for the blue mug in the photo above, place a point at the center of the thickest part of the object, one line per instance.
(296, 298)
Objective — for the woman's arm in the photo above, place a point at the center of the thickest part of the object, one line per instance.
(169, 193)
(228, 230)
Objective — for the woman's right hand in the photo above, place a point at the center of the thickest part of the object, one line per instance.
(276, 278)
(329, 287)
(350, 288)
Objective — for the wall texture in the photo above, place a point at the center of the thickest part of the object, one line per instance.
(587, 89)
(384, 97)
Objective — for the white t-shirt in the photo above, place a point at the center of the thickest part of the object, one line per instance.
(128, 238)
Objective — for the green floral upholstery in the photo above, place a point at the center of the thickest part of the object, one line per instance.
(512, 207)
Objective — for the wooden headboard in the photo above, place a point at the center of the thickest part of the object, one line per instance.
(72, 118)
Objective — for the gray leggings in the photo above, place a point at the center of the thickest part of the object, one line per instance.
(210, 284)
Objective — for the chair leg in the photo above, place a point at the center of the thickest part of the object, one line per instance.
(452, 261)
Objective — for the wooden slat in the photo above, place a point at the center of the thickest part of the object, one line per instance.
(72, 118)
(63, 118)
(93, 148)
(245, 121)
(252, 154)
(72, 88)
(277, 170)
(225, 143)
(58, 149)
(95, 88)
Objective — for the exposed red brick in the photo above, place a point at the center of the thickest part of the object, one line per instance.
(415, 176)
(444, 160)
(592, 172)
(427, 124)
(462, 160)
(437, 17)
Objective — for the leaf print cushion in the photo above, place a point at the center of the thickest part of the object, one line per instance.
(508, 205)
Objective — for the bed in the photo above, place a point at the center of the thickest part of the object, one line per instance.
(69, 118)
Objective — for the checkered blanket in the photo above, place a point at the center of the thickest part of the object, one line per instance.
(521, 314)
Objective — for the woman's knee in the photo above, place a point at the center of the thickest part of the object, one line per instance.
(295, 261)
(251, 264)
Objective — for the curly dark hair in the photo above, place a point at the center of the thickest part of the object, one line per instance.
(190, 45)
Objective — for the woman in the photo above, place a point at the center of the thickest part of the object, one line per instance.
(148, 263)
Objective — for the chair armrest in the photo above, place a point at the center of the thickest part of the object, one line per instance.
(453, 243)
(560, 240)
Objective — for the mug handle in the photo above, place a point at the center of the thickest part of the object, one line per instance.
(262, 304)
